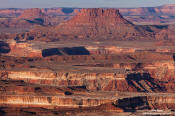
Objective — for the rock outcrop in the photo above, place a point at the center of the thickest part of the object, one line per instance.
(144, 16)
(102, 24)
(32, 13)
(10, 12)
(126, 81)
(83, 79)
(158, 104)
(150, 15)
(28, 18)
(166, 34)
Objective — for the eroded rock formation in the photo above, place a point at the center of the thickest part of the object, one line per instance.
(102, 24)
(88, 77)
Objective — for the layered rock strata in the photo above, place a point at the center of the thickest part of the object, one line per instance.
(100, 23)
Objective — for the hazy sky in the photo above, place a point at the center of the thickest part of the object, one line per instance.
(81, 3)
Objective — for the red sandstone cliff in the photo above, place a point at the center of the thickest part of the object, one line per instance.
(150, 15)
(48, 11)
(144, 15)
(167, 36)
(165, 9)
(10, 12)
(26, 19)
(32, 13)
(100, 23)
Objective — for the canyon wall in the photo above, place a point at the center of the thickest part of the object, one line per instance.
(147, 15)
(159, 103)
(100, 23)
(51, 101)
(151, 77)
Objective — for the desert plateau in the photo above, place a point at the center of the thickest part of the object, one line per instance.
(87, 61)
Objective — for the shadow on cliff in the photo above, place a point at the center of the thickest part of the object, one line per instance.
(4, 47)
(132, 104)
(174, 56)
(51, 52)
(2, 112)
(65, 51)
(76, 51)
(67, 10)
(144, 83)
(39, 21)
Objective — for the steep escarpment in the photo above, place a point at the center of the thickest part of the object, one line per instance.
(160, 10)
(94, 23)
(146, 72)
(32, 16)
(32, 13)
(15, 12)
(87, 79)
(150, 15)
(166, 36)
(10, 12)
(157, 103)
(100, 23)
(24, 95)
(133, 82)
(38, 16)
(25, 19)
(74, 77)
(140, 16)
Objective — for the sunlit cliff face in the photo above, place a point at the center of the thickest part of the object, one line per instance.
(94, 63)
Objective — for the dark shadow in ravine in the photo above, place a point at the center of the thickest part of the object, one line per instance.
(67, 10)
(39, 21)
(78, 87)
(144, 83)
(174, 56)
(133, 103)
(76, 51)
(65, 51)
(2, 111)
(51, 52)
(4, 47)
